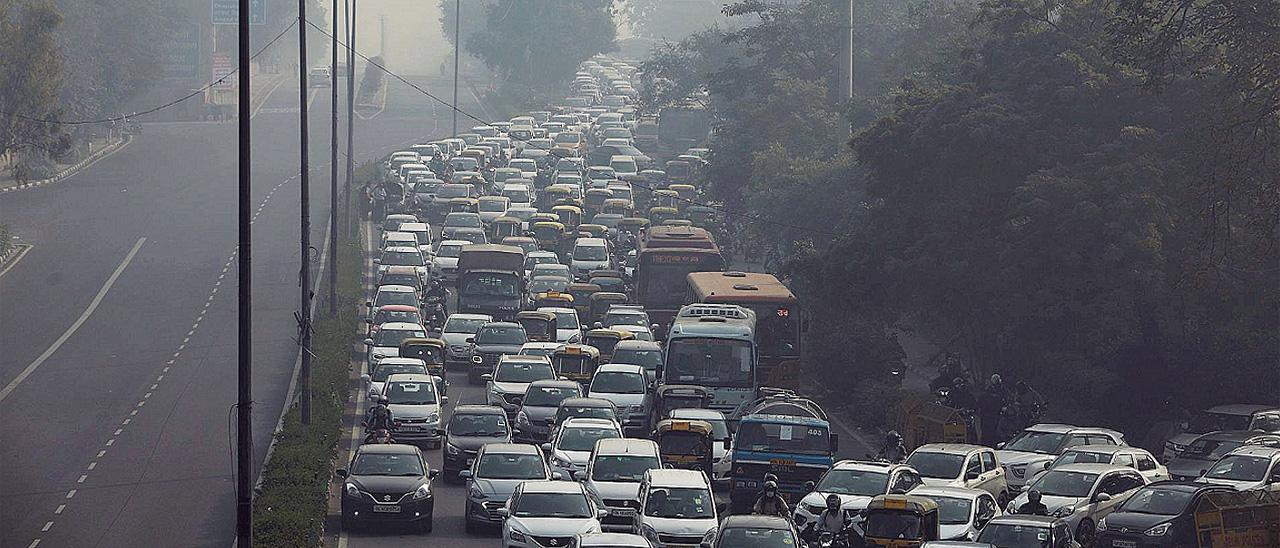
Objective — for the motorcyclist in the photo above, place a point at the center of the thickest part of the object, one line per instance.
(893, 451)
(437, 291)
(771, 503)
(832, 520)
(949, 371)
(990, 407)
(960, 397)
(1033, 506)
(378, 418)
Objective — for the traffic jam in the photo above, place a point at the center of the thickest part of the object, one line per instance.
(641, 385)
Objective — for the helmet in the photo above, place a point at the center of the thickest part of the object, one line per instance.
(995, 378)
(894, 436)
(833, 502)
(1033, 496)
(770, 487)
(771, 477)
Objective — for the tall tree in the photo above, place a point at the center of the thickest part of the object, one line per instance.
(541, 44)
(30, 80)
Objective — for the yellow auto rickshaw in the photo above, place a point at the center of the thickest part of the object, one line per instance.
(539, 326)
(677, 222)
(618, 206)
(686, 192)
(430, 351)
(661, 214)
(633, 225)
(549, 234)
(570, 215)
(666, 198)
(553, 194)
(582, 297)
(601, 301)
(542, 217)
(576, 362)
(685, 444)
(464, 205)
(900, 521)
(605, 340)
(552, 299)
(595, 199)
(588, 230)
(503, 227)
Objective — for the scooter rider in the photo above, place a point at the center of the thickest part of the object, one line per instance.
(379, 418)
(438, 292)
(771, 503)
(893, 450)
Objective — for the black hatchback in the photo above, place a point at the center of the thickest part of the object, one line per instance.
(470, 427)
(1158, 515)
(387, 482)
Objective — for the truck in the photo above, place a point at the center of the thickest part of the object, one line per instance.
(491, 280)
(796, 449)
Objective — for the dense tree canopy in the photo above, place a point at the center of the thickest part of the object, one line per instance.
(30, 78)
(541, 44)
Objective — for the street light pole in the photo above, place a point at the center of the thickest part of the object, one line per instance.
(304, 315)
(333, 167)
(351, 105)
(244, 305)
(457, 47)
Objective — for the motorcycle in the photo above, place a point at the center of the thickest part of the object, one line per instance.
(381, 435)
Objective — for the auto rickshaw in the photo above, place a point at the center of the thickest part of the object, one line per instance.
(582, 297)
(666, 198)
(503, 227)
(523, 242)
(619, 206)
(679, 396)
(679, 171)
(549, 234)
(431, 351)
(552, 299)
(686, 192)
(543, 217)
(605, 339)
(576, 362)
(677, 222)
(595, 199)
(702, 216)
(539, 326)
(552, 195)
(685, 444)
(602, 300)
(570, 215)
(661, 214)
(464, 205)
(588, 230)
(633, 225)
(900, 521)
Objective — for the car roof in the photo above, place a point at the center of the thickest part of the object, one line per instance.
(462, 316)
(475, 409)
(755, 521)
(523, 358)
(396, 288)
(396, 360)
(402, 326)
(387, 448)
(1071, 428)
(562, 383)
(586, 402)
(598, 242)
(620, 368)
(1239, 408)
(1092, 468)
(1189, 486)
(501, 324)
(551, 487)
(1235, 435)
(699, 413)
(965, 448)
(511, 449)
(401, 249)
(410, 377)
(398, 308)
(624, 446)
(557, 310)
(952, 492)
(636, 345)
(1103, 448)
(455, 242)
(1025, 520)
(1257, 451)
(675, 477)
(588, 422)
(874, 465)
(790, 419)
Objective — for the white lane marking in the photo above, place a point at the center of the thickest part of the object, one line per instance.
(264, 99)
(47, 525)
(82, 478)
(101, 453)
(111, 442)
(93, 305)
(93, 465)
(118, 431)
(34, 543)
(60, 508)
(71, 493)
(15, 260)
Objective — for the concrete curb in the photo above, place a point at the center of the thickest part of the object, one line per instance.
(82, 164)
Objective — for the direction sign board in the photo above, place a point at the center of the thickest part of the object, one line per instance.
(227, 12)
(180, 53)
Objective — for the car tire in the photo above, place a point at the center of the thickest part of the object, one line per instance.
(1084, 533)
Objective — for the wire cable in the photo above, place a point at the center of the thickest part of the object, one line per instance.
(157, 108)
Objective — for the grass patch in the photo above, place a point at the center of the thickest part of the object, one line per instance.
(291, 507)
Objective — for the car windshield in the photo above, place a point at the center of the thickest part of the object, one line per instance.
(1239, 468)
(464, 325)
(387, 464)
(757, 537)
(453, 191)
(385, 370)
(399, 279)
(396, 297)
(543, 284)
(650, 359)
(490, 285)
(566, 319)
(401, 258)
(473, 235)
(411, 393)
(491, 425)
(613, 382)
(1081, 457)
(522, 372)
(493, 206)
(552, 505)
(680, 503)
(519, 196)
(627, 468)
(502, 466)
(511, 335)
(625, 318)
(583, 438)
(590, 253)
(567, 138)
(1008, 535)
(1157, 500)
(865, 483)
(462, 220)
(1057, 483)
(1208, 422)
(393, 337)
(1036, 442)
(932, 464)
(953, 510)
(1209, 449)
(548, 396)
(451, 250)
(565, 413)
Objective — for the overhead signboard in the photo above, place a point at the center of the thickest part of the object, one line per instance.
(180, 53)
(227, 12)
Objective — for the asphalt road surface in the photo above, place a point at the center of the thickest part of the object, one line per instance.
(118, 328)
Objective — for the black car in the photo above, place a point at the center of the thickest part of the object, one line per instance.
(753, 530)
(470, 427)
(388, 483)
(490, 343)
(538, 409)
(1160, 514)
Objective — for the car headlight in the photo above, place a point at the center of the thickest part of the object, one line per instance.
(1159, 530)
(517, 536)
(451, 449)
(352, 490)
(1102, 524)
(434, 418)
(1064, 511)
(561, 463)
(522, 418)
(422, 492)
(476, 493)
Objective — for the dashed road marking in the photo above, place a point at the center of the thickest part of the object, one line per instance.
(71, 493)
(82, 478)
(61, 507)
(93, 465)
(47, 525)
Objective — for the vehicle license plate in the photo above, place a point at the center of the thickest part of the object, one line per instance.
(1124, 543)
(623, 512)
(386, 508)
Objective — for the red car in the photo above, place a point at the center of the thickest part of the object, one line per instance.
(395, 313)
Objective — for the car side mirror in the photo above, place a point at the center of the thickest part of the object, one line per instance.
(368, 321)
(471, 340)
(1046, 464)
(502, 512)
(433, 473)
(1101, 497)
(972, 475)
(365, 378)
(1000, 445)
(377, 261)
(809, 486)
(546, 448)
(602, 513)
(444, 400)
(464, 474)
(341, 472)
(486, 376)
(557, 476)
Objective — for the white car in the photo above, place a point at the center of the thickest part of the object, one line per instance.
(962, 513)
(617, 465)
(387, 367)
(590, 254)
(571, 444)
(961, 465)
(527, 166)
(1248, 467)
(1082, 494)
(856, 483)
(624, 385)
(519, 195)
(511, 377)
(1133, 457)
(396, 294)
(568, 326)
(399, 238)
(536, 258)
(408, 255)
(676, 507)
(1023, 455)
(415, 403)
(445, 261)
(538, 348)
(386, 342)
(492, 207)
(548, 514)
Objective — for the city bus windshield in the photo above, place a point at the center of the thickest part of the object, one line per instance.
(710, 362)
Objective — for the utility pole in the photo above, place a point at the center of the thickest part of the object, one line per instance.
(333, 167)
(351, 105)
(304, 315)
(382, 37)
(244, 308)
(457, 47)
(844, 88)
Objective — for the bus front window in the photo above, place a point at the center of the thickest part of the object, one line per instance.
(709, 362)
